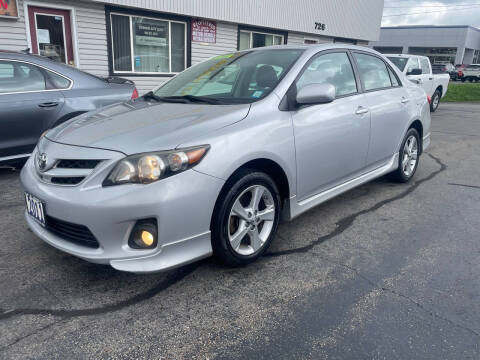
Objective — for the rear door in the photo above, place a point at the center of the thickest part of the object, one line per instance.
(27, 104)
(427, 77)
(388, 104)
(331, 140)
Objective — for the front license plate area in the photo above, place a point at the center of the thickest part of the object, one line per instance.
(35, 208)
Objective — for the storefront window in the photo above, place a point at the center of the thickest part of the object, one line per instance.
(146, 45)
(252, 39)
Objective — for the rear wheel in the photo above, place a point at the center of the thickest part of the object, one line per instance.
(435, 100)
(246, 218)
(408, 157)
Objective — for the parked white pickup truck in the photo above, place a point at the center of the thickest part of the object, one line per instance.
(419, 70)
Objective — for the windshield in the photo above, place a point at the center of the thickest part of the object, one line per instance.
(399, 62)
(241, 77)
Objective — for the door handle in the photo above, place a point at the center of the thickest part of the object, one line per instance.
(430, 78)
(48, 104)
(361, 110)
(405, 100)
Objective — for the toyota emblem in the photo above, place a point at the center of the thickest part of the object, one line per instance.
(42, 161)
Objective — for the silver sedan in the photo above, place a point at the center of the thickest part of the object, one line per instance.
(212, 160)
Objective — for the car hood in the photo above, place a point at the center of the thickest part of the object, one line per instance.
(141, 126)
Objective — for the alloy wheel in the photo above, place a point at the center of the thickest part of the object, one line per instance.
(436, 101)
(410, 156)
(251, 220)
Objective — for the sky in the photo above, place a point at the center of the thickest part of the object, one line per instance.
(439, 12)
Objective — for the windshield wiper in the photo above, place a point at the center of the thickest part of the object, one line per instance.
(170, 99)
(151, 95)
(193, 98)
(181, 99)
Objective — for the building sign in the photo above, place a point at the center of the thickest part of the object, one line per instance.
(320, 26)
(151, 34)
(204, 31)
(8, 8)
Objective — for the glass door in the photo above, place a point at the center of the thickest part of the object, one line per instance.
(51, 33)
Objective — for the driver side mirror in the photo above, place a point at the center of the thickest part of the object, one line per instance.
(415, 72)
(316, 94)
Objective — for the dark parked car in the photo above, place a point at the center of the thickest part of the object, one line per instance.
(37, 94)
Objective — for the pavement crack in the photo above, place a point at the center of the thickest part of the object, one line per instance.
(401, 295)
(346, 222)
(17, 340)
(174, 278)
(465, 185)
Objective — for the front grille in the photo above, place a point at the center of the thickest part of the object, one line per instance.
(77, 164)
(74, 233)
(68, 172)
(67, 180)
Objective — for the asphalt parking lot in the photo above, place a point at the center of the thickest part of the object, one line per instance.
(385, 271)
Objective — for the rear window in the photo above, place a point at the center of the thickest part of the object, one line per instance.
(399, 62)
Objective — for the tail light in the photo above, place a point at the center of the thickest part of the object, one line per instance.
(429, 99)
(460, 73)
(135, 94)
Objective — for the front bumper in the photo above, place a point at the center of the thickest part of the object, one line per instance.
(182, 204)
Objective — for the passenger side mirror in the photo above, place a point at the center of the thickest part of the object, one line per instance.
(316, 94)
(415, 72)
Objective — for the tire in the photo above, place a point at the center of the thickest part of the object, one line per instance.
(435, 100)
(240, 236)
(470, 79)
(463, 79)
(401, 175)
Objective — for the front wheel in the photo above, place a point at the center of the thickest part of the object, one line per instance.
(435, 100)
(246, 218)
(408, 157)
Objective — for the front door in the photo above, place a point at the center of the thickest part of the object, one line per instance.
(27, 107)
(331, 140)
(51, 33)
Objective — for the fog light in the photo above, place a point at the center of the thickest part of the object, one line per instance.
(147, 238)
(144, 234)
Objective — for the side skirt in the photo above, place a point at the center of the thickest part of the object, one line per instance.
(293, 208)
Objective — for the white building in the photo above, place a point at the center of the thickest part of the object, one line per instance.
(442, 44)
(148, 41)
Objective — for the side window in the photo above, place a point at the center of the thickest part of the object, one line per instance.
(425, 66)
(393, 78)
(373, 72)
(333, 68)
(412, 64)
(20, 77)
(58, 82)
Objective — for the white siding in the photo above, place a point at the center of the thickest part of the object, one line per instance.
(299, 38)
(14, 37)
(91, 33)
(226, 42)
(351, 19)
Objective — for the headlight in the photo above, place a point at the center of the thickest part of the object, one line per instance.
(150, 167)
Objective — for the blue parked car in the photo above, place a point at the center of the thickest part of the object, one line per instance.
(37, 94)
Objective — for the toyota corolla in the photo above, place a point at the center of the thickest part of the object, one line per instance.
(212, 160)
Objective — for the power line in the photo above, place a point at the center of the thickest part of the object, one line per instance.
(428, 6)
(429, 12)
